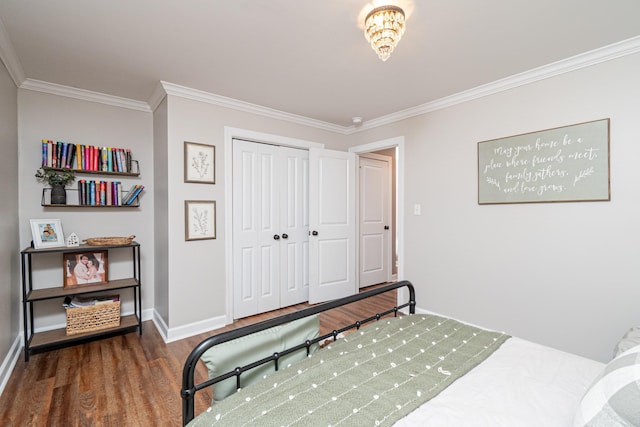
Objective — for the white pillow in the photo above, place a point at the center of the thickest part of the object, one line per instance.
(629, 340)
(614, 397)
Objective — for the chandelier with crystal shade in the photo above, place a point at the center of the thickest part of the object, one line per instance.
(383, 28)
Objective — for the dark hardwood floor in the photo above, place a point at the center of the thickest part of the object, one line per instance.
(127, 380)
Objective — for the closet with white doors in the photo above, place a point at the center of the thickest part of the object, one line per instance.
(293, 226)
(270, 227)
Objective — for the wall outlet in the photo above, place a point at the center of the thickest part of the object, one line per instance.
(417, 209)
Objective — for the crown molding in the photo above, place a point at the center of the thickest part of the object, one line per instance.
(84, 95)
(157, 96)
(247, 107)
(617, 50)
(9, 58)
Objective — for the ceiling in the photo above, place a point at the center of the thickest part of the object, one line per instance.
(305, 57)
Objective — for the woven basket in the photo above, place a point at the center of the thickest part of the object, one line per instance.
(93, 318)
(108, 241)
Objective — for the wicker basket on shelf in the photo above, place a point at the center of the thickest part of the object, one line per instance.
(93, 318)
(108, 241)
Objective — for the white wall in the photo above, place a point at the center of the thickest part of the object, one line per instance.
(9, 244)
(46, 116)
(562, 274)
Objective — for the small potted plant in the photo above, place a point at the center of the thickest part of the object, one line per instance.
(58, 180)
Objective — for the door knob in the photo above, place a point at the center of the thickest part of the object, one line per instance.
(276, 237)
(386, 227)
(285, 236)
(315, 233)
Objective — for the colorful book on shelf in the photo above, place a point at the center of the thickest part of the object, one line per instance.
(116, 192)
(118, 159)
(87, 157)
(109, 200)
(92, 193)
(63, 154)
(49, 153)
(96, 159)
(82, 196)
(103, 159)
(54, 154)
(109, 155)
(45, 149)
(78, 159)
(59, 145)
(129, 160)
(130, 195)
(135, 194)
(103, 193)
(71, 154)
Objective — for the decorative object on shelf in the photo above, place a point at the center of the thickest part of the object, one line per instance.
(383, 29)
(93, 317)
(58, 180)
(200, 219)
(47, 233)
(109, 241)
(84, 268)
(199, 163)
(72, 240)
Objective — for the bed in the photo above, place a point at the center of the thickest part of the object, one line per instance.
(396, 367)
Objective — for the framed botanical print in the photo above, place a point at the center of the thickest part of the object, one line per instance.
(200, 219)
(199, 163)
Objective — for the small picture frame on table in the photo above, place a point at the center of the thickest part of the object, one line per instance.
(47, 233)
(200, 219)
(85, 268)
(199, 163)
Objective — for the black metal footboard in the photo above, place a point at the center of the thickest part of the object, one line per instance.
(189, 388)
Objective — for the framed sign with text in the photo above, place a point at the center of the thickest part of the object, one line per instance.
(565, 164)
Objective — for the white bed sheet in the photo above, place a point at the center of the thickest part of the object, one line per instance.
(522, 384)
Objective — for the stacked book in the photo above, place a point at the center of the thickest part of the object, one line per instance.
(106, 193)
(66, 155)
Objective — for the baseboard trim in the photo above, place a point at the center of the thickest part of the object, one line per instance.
(185, 331)
(9, 362)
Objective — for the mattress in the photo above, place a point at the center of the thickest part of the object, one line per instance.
(522, 384)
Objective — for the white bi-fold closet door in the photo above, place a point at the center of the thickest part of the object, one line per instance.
(290, 243)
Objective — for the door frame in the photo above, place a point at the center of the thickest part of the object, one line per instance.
(231, 133)
(395, 142)
(389, 213)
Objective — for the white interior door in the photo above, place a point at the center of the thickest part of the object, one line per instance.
(332, 223)
(374, 220)
(294, 226)
(256, 207)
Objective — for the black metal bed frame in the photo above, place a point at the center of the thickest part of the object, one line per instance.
(189, 388)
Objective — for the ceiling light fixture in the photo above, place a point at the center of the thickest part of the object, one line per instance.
(383, 28)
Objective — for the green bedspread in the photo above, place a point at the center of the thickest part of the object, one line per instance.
(372, 377)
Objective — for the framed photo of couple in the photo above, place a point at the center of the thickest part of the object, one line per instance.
(85, 268)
